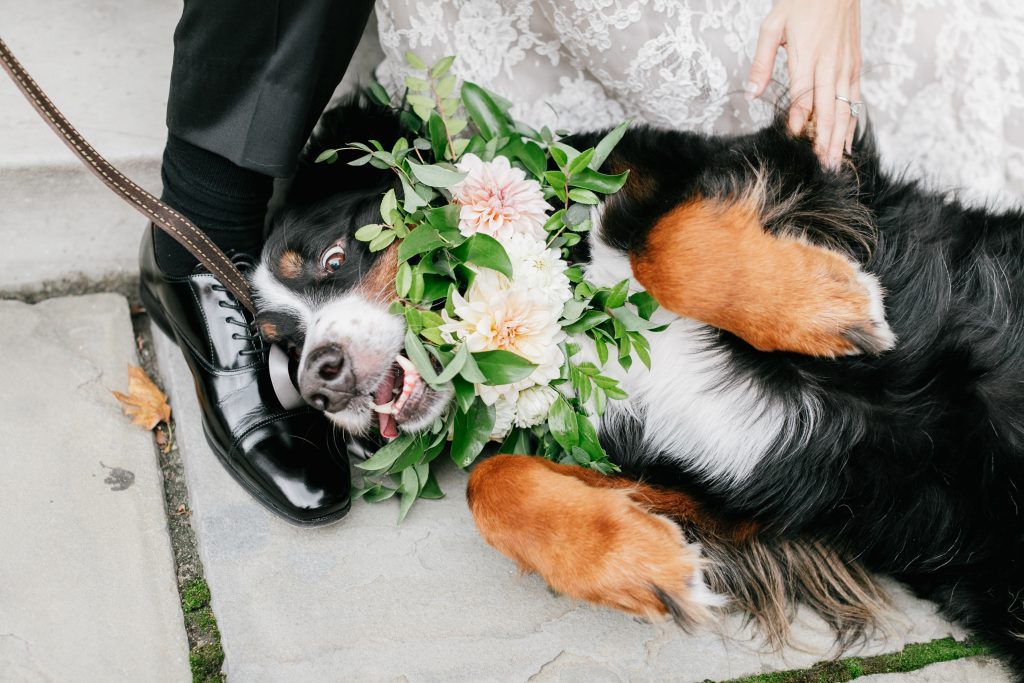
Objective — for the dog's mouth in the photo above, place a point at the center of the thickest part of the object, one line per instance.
(398, 396)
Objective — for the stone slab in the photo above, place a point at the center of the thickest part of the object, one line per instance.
(973, 670)
(107, 65)
(426, 600)
(87, 582)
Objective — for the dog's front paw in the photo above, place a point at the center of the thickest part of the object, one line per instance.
(846, 315)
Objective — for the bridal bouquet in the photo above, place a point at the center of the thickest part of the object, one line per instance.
(485, 227)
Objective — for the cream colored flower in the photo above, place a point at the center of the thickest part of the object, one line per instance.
(533, 404)
(497, 316)
(504, 415)
(498, 200)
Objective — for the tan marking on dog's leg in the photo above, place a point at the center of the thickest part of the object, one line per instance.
(289, 266)
(592, 542)
(268, 330)
(378, 284)
(713, 262)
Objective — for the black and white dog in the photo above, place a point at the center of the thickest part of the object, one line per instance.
(795, 427)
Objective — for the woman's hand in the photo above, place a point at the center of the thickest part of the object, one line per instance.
(822, 42)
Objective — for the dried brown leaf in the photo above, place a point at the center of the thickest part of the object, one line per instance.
(145, 403)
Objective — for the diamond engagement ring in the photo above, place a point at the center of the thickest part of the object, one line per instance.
(855, 107)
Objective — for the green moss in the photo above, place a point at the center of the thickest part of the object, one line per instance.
(203, 619)
(910, 658)
(206, 662)
(195, 595)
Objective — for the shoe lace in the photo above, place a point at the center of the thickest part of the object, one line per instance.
(251, 333)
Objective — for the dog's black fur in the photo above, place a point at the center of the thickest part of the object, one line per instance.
(913, 460)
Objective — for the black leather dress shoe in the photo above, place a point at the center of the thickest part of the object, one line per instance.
(291, 460)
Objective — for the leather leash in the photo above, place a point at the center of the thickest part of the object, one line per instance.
(177, 226)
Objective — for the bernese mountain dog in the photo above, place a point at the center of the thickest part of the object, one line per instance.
(796, 433)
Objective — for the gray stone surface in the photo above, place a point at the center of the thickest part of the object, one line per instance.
(106, 65)
(368, 599)
(87, 587)
(973, 670)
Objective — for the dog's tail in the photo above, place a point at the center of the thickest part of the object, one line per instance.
(767, 578)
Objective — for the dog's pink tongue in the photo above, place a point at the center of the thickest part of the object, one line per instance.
(388, 424)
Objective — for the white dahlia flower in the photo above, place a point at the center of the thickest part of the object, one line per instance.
(498, 200)
(504, 415)
(533, 404)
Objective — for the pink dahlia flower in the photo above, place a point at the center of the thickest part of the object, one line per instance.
(498, 200)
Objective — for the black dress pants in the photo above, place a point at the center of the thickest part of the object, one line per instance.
(251, 77)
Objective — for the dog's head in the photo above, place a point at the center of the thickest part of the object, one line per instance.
(324, 295)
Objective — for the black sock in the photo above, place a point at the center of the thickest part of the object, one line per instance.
(226, 201)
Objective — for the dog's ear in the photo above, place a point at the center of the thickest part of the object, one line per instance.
(354, 119)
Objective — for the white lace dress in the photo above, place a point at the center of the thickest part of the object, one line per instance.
(943, 79)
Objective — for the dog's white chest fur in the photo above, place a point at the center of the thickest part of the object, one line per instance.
(691, 407)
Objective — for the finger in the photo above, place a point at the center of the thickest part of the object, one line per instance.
(824, 110)
(854, 122)
(844, 119)
(769, 38)
(801, 96)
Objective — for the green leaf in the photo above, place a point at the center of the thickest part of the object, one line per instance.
(419, 357)
(559, 155)
(465, 393)
(438, 135)
(381, 241)
(417, 84)
(533, 158)
(472, 430)
(379, 492)
(442, 66)
(387, 455)
(388, 204)
(607, 144)
(422, 239)
(583, 196)
(517, 442)
(563, 424)
(577, 214)
(472, 373)
(411, 200)
(488, 117)
(645, 304)
(587, 320)
(438, 176)
(368, 232)
(632, 322)
(486, 252)
(617, 296)
(409, 457)
(403, 280)
(459, 146)
(599, 182)
(580, 162)
(414, 60)
(454, 366)
(328, 155)
(431, 489)
(378, 94)
(408, 491)
(502, 367)
(445, 86)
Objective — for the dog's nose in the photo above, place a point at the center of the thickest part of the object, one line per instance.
(326, 380)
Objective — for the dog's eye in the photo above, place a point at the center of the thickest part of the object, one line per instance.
(332, 259)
